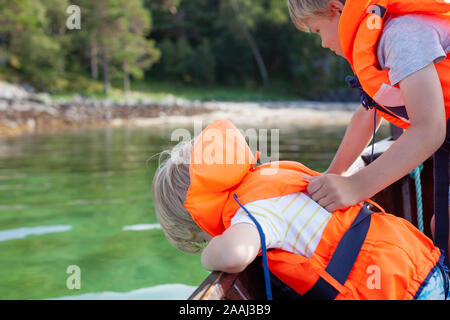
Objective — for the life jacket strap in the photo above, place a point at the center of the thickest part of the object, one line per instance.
(341, 262)
(343, 259)
(263, 249)
(366, 100)
(441, 183)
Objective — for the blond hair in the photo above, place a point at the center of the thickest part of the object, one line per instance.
(299, 10)
(169, 189)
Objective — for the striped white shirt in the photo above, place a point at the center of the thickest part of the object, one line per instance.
(293, 222)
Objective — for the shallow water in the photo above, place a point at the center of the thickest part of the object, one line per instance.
(83, 198)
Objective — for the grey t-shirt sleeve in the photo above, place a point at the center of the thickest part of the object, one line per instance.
(407, 45)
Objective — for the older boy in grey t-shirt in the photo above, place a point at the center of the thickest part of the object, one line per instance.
(410, 46)
(409, 43)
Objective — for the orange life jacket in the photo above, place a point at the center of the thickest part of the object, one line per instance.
(401, 253)
(360, 27)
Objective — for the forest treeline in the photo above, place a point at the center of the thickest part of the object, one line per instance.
(249, 43)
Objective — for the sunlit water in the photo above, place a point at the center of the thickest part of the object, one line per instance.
(84, 198)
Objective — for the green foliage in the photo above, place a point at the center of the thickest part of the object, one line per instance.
(30, 49)
(203, 63)
(41, 62)
(134, 52)
(181, 61)
(36, 46)
(175, 58)
(200, 42)
(184, 28)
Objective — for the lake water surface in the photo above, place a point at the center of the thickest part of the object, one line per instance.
(83, 198)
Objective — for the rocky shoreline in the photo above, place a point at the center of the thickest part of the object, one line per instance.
(25, 112)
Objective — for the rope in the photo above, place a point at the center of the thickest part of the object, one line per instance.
(415, 175)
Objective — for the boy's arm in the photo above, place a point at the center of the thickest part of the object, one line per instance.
(423, 96)
(357, 136)
(232, 251)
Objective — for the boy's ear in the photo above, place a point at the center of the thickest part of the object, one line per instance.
(336, 6)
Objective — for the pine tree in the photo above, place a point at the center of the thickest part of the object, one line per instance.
(134, 53)
(30, 50)
(116, 32)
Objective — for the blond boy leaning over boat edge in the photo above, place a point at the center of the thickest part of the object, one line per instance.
(240, 210)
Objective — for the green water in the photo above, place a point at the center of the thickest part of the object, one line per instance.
(70, 199)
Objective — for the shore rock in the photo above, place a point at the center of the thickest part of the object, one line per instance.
(22, 111)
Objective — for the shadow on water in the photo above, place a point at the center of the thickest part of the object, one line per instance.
(84, 198)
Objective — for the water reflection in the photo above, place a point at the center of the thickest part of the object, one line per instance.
(98, 183)
(140, 227)
(161, 292)
(25, 232)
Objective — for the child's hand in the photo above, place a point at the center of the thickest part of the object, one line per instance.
(333, 192)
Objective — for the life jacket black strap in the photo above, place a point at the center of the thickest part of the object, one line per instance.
(441, 183)
(343, 259)
(366, 100)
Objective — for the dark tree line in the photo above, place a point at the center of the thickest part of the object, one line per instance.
(244, 43)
